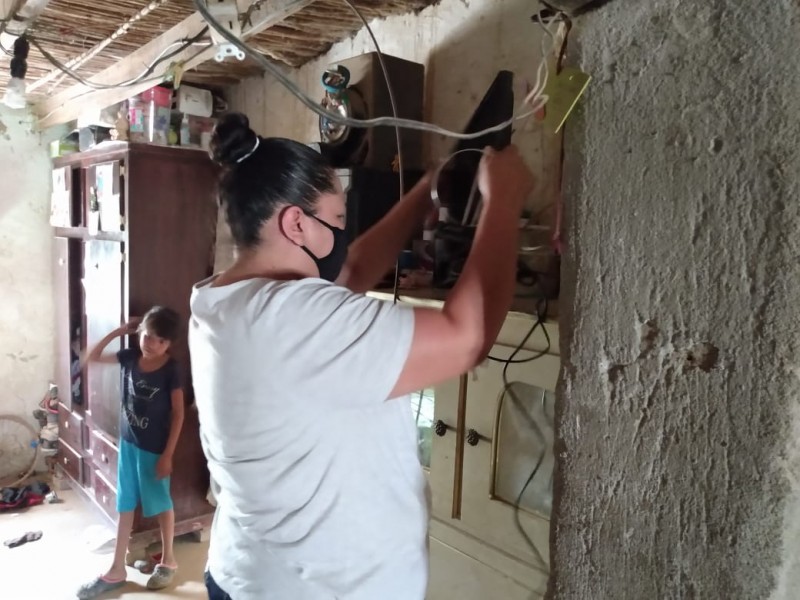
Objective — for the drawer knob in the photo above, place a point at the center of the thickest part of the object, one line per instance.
(440, 428)
(105, 499)
(473, 437)
(66, 460)
(104, 458)
(66, 424)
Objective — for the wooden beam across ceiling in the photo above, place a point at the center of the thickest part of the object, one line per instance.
(71, 103)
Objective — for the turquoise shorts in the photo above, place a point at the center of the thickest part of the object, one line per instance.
(137, 482)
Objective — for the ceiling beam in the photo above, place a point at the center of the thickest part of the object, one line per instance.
(69, 104)
(77, 61)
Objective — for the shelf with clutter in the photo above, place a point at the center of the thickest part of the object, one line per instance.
(369, 161)
(425, 281)
(164, 115)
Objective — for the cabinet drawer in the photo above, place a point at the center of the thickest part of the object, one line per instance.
(104, 455)
(70, 461)
(105, 494)
(69, 427)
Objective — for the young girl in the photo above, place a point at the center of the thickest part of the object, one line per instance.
(150, 422)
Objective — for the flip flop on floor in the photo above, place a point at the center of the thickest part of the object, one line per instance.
(162, 576)
(97, 587)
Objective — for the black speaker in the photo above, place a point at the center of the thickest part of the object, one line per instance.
(376, 148)
(371, 193)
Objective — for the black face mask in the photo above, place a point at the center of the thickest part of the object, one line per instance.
(331, 265)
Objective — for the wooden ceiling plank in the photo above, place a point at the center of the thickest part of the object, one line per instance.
(70, 103)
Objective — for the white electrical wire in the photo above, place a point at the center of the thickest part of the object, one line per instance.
(536, 93)
(142, 77)
(155, 80)
(76, 62)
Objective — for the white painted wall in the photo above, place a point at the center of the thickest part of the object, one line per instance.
(27, 306)
(463, 44)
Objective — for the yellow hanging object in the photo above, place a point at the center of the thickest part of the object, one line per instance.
(174, 74)
(564, 90)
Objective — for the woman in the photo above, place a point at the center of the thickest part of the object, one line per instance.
(300, 379)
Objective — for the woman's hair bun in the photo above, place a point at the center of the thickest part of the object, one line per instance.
(232, 139)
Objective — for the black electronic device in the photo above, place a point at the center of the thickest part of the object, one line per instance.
(454, 236)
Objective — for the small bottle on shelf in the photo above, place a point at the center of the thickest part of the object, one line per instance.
(185, 131)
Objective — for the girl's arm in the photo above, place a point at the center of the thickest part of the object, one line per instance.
(97, 355)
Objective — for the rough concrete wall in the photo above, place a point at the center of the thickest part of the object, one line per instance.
(463, 44)
(27, 309)
(678, 460)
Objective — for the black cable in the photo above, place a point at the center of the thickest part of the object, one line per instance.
(88, 92)
(131, 82)
(541, 316)
(390, 90)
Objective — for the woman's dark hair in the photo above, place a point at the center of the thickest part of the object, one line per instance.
(261, 174)
(163, 322)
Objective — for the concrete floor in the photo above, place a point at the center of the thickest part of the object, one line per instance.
(77, 545)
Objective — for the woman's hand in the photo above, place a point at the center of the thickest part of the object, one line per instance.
(503, 176)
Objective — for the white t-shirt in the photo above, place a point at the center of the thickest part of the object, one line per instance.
(319, 487)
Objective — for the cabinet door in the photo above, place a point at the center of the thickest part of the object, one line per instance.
(508, 457)
(67, 273)
(442, 453)
(103, 293)
(61, 290)
(109, 189)
(171, 224)
(61, 198)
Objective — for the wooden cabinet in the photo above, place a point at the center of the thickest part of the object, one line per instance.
(134, 227)
(491, 449)
(67, 275)
(512, 444)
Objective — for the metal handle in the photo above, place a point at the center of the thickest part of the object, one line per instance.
(104, 458)
(473, 437)
(440, 428)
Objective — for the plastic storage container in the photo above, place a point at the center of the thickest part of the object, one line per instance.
(149, 114)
